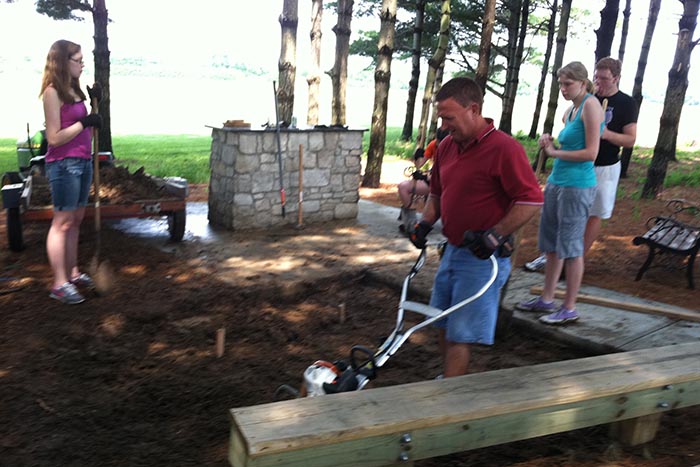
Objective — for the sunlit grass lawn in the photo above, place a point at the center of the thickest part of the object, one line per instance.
(188, 155)
(165, 155)
(8, 155)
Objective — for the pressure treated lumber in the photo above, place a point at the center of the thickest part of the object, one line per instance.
(638, 307)
(432, 418)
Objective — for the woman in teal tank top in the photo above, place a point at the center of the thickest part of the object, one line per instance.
(568, 194)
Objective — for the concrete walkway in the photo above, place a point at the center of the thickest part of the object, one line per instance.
(600, 329)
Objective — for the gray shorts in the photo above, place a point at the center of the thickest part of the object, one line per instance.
(564, 217)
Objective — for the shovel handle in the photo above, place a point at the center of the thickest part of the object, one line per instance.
(94, 109)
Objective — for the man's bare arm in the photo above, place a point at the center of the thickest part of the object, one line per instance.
(516, 217)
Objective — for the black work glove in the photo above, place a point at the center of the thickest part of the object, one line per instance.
(419, 234)
(420, 175)
(94, 120)
(95, 92)
(483, 244)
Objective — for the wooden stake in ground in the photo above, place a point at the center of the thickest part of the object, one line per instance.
(220, 341)
(341, 313)
(301, 184)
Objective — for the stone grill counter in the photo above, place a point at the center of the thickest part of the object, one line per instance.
(244, 188)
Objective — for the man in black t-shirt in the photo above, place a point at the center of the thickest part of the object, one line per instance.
(620, 131)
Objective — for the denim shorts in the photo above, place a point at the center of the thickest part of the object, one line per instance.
(459, 276)
(564, 219)
(70, 180)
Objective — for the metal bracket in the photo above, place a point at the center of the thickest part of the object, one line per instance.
(151, 208)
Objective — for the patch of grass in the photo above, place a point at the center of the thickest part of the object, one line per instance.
(161, 155)
(393, 146)
(165, 155)
(684, 172)
(531, 147)
(621, 191)
(188, 156)
(636, 213)
(8, 155)
(682, 178)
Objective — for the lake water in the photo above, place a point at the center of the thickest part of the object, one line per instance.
(186, 105)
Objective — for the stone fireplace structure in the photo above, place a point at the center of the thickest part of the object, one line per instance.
(244, 188)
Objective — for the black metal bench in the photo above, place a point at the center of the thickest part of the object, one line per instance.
(668, 234)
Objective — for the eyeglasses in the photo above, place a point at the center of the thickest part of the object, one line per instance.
(79, 62)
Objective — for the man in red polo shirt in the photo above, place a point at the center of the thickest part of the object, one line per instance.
(483, 189)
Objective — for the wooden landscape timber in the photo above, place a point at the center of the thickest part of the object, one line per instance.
(404, 423)
(637, 307)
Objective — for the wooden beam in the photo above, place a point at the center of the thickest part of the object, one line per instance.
(376, 427)
(141, 209)
(638, 307)
(636, 431)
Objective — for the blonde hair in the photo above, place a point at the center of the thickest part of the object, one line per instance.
(576, 71)
(57, 71)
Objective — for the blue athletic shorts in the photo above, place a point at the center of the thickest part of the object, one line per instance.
(70, 180)
(459, 276)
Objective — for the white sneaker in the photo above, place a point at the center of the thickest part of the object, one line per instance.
(536, 264)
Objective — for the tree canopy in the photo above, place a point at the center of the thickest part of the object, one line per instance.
(63, 9)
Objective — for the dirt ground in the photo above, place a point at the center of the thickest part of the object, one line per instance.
(132, 379)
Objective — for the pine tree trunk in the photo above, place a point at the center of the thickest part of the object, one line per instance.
(289, 19)
(551, 27)
(558, 59)
(625, 29)
(654, 6)
(339, 73)
(314, 79)
(407, 132)
(382, 80)
(606, 31)
(665, 148)
(487, 24)
(435, 63)
(514, 61)
(100, 20)
(437, 85)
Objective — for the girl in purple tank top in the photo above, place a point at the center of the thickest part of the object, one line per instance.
(68, 165)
